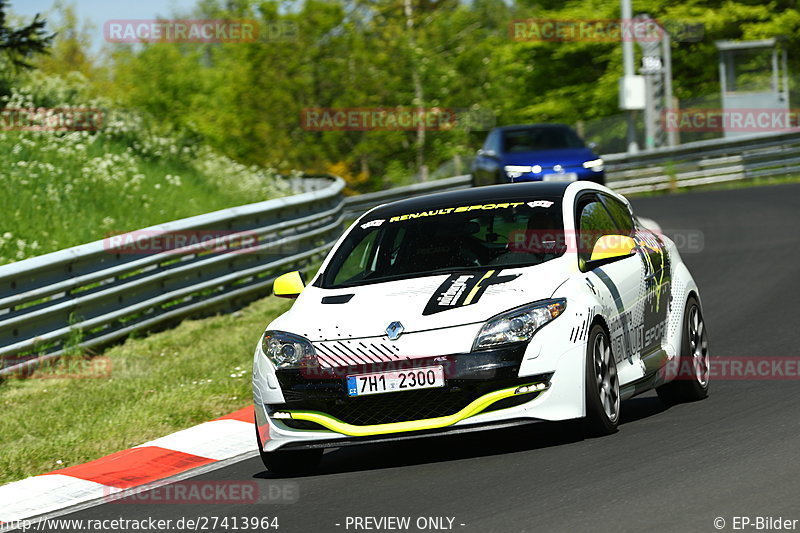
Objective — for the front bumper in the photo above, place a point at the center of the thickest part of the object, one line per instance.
(521, 393)
(582, 174)
(481, 391)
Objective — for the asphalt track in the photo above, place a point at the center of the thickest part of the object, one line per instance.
(667, 469)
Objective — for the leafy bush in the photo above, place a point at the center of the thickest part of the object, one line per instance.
(66, 188)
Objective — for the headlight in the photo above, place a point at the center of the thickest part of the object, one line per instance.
(594, 164)
(287, 350)
(515, 171)
(518, 325)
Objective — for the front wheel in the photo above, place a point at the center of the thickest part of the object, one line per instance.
(602, 385)
(694, 365)
(289, 462)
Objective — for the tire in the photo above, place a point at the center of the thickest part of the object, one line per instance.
(602, 385)
(290, 462)
(691, 384)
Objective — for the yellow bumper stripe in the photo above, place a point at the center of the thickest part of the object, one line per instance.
(475, 407)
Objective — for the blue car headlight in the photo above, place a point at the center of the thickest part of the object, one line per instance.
(515, 171)
(595, 165)
(518, 325)
(287, 350)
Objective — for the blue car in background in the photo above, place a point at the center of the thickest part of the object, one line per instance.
(535, 152)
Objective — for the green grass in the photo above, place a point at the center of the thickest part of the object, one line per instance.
(60, 189)
(158, 384)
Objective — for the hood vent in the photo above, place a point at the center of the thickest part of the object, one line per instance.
(338, 299)
(355, 352)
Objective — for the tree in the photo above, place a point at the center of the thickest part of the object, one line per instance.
(69, 51)
(246, 99)
(20, 45)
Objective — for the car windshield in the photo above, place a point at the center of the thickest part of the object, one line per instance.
(546, 138)
(448, 239)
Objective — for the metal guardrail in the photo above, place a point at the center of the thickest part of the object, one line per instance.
(705, 162)
(89, 295)
(356, 205)
(94, 294)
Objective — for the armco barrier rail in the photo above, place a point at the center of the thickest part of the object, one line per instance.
(91, 295)
(705, 162)
(356, 205)
(88, 296)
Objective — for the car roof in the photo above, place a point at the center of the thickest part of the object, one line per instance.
(508, 192)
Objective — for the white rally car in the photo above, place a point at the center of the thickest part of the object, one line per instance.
(478, 309)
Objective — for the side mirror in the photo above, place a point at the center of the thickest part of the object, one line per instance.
(487, 153)
(608, 249)
(288, 285)
(592, 146)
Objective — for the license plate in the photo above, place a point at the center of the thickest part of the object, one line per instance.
(567, 176)
(399, 380)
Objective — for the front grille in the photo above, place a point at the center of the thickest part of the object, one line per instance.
(467, 376)
(386, 408)
(402, 406)
(399, 406)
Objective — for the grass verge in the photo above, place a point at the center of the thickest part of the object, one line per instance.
(158, 384)
(64, 188)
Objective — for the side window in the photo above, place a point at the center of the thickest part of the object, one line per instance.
(621, 215)
(594, 221)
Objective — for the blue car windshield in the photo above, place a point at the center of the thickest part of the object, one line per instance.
(535, 139)
(448, 239)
